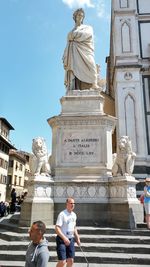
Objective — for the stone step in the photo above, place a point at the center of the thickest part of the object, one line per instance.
(11, 222)
(87, 247)
(7, 225)
(92, 257)
(53, 264)
(112, 231)
(102, 246)
(131, 239)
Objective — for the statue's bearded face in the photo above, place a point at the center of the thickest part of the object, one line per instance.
(79, 17)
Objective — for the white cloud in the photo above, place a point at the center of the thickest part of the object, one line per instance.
(99, 5)
(101, 9)
(78, 3)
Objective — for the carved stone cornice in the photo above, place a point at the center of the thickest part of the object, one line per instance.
(100, 120)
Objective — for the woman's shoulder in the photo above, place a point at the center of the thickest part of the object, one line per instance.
(147, 188)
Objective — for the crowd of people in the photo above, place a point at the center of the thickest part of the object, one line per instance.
(4, 208)
(13, 205)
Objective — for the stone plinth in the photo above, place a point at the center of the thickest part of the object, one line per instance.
(39, 202)
(124, 208)
(81, 164)
(82, 154)
(78, 102)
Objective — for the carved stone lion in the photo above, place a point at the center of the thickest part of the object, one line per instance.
(123, 160)
(39, 160)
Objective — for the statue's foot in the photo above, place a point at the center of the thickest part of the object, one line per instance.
(37, 173)
(95, 86)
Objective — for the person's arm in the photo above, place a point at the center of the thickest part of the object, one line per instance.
(146, 192)
(141, 198)
(61, 235)
(77, 238)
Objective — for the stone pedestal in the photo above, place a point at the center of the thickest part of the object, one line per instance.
(39, 204)
(81, 164)
(82, 154)
(124, 208)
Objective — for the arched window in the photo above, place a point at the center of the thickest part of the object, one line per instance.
(130, 120)
(125, 38)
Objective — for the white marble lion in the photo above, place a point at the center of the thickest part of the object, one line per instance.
(123, 160)
(39, 160)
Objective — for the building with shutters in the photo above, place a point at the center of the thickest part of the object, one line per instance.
(5, 146)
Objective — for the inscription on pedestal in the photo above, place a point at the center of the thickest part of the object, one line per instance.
(81, 147)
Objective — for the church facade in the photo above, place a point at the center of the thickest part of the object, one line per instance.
(128, 76)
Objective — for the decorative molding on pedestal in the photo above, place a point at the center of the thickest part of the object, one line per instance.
(102, 120)
(40, 188)
(83, 192)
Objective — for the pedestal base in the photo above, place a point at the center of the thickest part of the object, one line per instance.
(32, 212)
(39, 203)
(125, 215)
(88, 214)
(125, 210)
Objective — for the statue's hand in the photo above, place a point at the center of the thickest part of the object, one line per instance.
(70, 37)
(65, 66)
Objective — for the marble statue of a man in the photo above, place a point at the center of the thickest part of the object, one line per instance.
(78, 58)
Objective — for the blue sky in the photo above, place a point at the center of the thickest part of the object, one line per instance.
(33, 37)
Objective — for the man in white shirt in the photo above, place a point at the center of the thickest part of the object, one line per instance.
(67, 235)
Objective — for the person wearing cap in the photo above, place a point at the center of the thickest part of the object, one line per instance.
(147, 201)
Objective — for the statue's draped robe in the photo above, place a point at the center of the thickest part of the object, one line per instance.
(78, 57)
